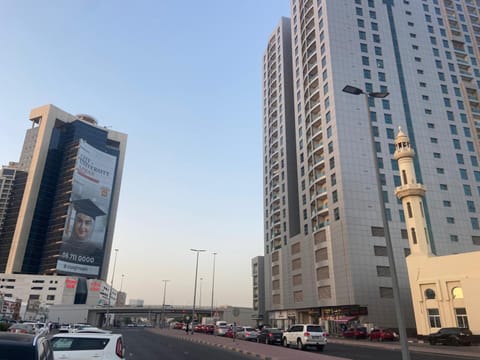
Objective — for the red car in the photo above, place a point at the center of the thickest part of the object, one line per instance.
(356, 333)
(381, 335)
(209, 329)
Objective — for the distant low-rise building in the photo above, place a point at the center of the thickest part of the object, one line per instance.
(38, 293)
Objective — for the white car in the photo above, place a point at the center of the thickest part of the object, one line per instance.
(80, 346)
(303, 335)
(247, 333)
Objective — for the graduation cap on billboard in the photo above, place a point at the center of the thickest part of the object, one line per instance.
(88, 207)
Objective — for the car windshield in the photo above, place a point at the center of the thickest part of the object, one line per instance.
(314, 328)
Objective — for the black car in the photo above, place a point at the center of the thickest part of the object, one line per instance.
(25, 347)
(451, 336)
(270, 336)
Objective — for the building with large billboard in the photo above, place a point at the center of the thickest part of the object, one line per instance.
(62, 219)
(325, 254)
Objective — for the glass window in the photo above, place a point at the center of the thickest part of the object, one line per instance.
(460, 159)
(430, 294)
(462, 319)
(470, 206)
(434, 318)
(474, 222)
(463, 174)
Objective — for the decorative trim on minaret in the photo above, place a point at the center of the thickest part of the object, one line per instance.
(411, 194)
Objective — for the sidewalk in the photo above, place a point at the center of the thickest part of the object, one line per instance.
(414, 346)
(261, 351)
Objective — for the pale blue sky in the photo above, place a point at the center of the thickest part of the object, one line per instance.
(183, 80)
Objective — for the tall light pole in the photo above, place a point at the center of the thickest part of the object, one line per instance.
(163, 306)
(121, 283)
(195, 287)
(200, 297)
(213, 283)
(111, 286)
(391, 258)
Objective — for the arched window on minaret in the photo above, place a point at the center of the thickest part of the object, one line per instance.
(404, 176)
(414, 235)
(409, 209)
(421, 209)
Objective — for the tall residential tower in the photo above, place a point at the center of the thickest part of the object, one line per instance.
(61, 208)
(325, 249)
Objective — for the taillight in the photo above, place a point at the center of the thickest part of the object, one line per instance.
(306, 333)
(119, 348)
(270, 335)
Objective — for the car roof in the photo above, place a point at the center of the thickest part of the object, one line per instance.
(14, 338)
(87, 335)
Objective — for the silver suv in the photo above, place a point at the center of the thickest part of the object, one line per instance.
(303, 335)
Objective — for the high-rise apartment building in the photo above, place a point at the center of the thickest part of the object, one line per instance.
(59, 217)
(325, 248)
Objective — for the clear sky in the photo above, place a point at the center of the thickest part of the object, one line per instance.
(184, 80)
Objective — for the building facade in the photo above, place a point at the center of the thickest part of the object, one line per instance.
(444, 288)
(69, 194)
(258, 281)
(38, 294)
(332, 264)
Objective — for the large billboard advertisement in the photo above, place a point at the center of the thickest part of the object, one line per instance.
(83, 241)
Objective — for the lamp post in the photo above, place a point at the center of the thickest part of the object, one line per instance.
(163, 306)
(200, 297)
(121, 283)
(213, 283)
(195, 287)
(110, 291)
(391, 259)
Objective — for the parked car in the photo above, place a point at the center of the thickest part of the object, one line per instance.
(303, 335)
(451, 336)
(23, 328)
(25, 347)
(221, 330)
(270, 336)
(381, 335)
(78, 346)
(64, 328)
(209, 329)
(356, 333)
(247, 333)
(231, 332)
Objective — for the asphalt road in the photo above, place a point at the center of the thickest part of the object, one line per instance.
(171, 344)
(145, 345)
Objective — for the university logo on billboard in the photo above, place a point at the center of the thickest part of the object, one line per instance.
(83, 240)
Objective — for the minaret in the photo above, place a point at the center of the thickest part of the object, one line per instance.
(411, 193)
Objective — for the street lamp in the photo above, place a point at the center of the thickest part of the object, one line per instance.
(163, 306)
(195, 287)
(213, 282)
(200, 297)
(111, 286)
(391, 259)
(121, 283)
